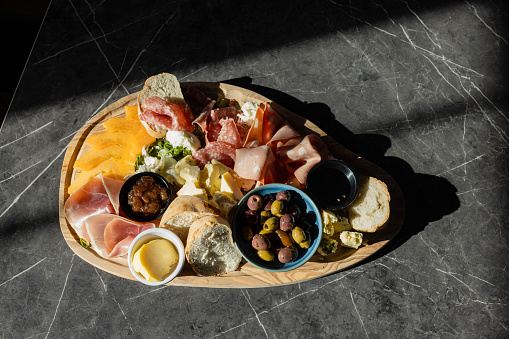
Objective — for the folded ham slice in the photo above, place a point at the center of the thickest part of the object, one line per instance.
(90, 199)
(111, 235)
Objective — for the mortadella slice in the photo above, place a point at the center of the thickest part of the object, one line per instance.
(301, 155)
(252, 163)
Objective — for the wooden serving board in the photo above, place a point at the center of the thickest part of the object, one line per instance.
(247, 275)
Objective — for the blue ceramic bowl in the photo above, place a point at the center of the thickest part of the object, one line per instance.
(310, 218)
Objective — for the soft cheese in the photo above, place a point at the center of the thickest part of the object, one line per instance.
(155, 259)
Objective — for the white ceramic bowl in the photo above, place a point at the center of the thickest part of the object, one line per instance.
(151, 234)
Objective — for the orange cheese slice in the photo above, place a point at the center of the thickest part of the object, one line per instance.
(94, 157)
(131, 112)
(121, 124)
(110, 168)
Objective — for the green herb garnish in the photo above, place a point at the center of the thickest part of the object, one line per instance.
(84, 243)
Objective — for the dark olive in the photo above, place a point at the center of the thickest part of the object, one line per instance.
(286, 222)
(283, 195)
(293, 210)
(286, 255)
(247, 232)
(251, 217)
(260, 242)
(254, 202)
(277, 208)
(268, 205)
(286, 239)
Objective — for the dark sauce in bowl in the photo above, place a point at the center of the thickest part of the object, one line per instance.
(332, 184)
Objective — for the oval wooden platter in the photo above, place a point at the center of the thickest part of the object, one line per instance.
(247, 275)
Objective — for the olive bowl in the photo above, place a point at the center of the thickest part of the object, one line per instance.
(310, 219)
(126, 187)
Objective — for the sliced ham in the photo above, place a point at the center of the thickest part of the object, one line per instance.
(229, 133)
(111, 235)
(300, 156)
(217, 150)
(282, 136)
(252, 163)
(168, 115)
(90, 199)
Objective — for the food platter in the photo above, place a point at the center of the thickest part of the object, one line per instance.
(247, 276)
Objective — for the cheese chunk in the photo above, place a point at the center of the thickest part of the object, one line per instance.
(333, 223)
(191, 173)
(225, 202)
(351, 239)
(191, 188)
(228, 185)
(211, 179)
(155, 259)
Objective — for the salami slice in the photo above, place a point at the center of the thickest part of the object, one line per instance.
(217, 150)
(229, 133)
(197, 101)
(229, 112)
(178, 118)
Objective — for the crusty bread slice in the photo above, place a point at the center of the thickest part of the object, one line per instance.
(164, 86)
(182, 212)
(210, 249)
(370, 210)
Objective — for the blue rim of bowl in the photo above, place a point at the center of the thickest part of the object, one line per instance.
(126, 208)
(278, 267)
(350, 176)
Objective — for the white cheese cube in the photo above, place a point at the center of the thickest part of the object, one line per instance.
(228, 185)
(191, 188)
(351, 239)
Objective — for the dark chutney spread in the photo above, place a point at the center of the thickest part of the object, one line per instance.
(147, 197)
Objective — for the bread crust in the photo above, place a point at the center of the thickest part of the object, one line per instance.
(188, 207)
(381, 189)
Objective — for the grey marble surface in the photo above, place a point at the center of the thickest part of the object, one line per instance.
(417, 87)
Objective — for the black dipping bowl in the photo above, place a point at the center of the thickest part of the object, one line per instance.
(127, 209)
(332, 184)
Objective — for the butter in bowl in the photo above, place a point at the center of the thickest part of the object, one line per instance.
(156, 256)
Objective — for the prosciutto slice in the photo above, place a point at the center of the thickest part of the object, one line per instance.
(90, 199)
(111, 235)
(168, 115)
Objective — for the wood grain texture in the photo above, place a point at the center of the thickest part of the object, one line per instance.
(247, 275)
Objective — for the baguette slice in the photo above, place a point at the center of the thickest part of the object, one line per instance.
(210, 249)
(182, 212)
(370, 210)
(164, 86)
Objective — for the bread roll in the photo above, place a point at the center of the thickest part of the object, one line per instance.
(370, 210)
(164, 86)
(182, 212)
(210, 249)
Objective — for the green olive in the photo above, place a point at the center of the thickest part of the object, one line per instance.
(266, 255)
(247, 232)
(307, 242)
(264, 215)
(271, 224)
(277, 208)
(264, 231)
(286, 239)
(298, 235)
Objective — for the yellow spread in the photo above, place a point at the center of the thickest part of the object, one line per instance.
(155, 259)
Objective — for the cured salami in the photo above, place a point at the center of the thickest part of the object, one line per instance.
(217, 150)
(229, 133)
(198, 101)
(167, 115)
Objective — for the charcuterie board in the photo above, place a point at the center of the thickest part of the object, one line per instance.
(247, 276)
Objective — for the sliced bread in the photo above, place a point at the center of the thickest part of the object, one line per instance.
(164, 86)
(370, 210)
(182, 212)
(210, 249)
